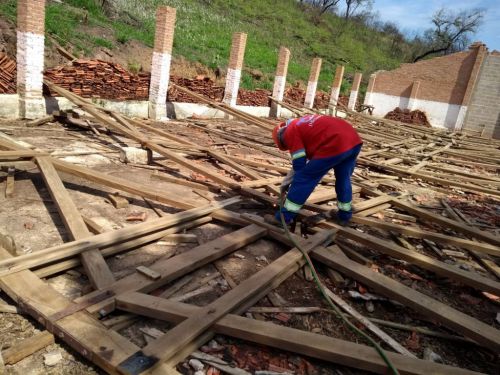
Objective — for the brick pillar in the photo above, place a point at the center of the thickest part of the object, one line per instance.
(337, 83)
(30, 52)
(280, 81)
(234, 69)
(481, 53)
(354, 91)
(369, 90)
(160, 64)
(412, 102)
(313, 82)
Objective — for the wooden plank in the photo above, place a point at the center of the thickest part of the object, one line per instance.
(447, 223)
(482, 258)
(301, 342)
(172, 268)
(117, 200)
(121, 247)
(368, 324)
(93, 262)
(371, 203)
(162, 349)
(80, 331)
(480, 332)
(466, 277)
(19, 154)
(243, 170)
(179, 181)
(66, 250)
(437, 237)
(27, 347)
(148, 272)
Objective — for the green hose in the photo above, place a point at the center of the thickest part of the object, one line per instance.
(334, 307)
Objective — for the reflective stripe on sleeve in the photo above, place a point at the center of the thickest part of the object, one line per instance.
(291, 206)
(344, 206)
(298, 154)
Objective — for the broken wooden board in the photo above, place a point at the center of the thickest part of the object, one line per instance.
(66, 250)
(179, 265)
(480, 332)
(162, 350)
(27, 347)
(301, 342)
(95, 266)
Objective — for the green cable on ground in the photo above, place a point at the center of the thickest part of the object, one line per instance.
(334, 307)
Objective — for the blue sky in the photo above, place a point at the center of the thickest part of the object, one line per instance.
(414, 15)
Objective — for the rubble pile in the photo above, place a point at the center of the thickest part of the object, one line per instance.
(200, 85)
(416, 117)
(8, 73)
(298, 95)
(100, 79)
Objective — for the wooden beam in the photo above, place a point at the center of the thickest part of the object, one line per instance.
(80, 331)
(93, 262)
(178, 266)
(387, 247)
(305, 343)
(480, 332)
(437, 237)
(447, 223)
(162, 350)
(121, 247)
(69, 249)
(27, 347)
(19, 154)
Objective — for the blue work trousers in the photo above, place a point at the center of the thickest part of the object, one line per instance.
(306, 179)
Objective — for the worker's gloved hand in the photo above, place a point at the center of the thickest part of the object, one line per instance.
(287, 181)
(343, 217)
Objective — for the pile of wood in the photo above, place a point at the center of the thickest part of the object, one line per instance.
(398, 245)
(8, 73)
(100, 79)
(416, 117)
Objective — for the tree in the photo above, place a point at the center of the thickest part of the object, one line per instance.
(352, 5)
(325, 5)
(451, 31)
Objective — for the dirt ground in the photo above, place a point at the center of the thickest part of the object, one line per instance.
(36, 225)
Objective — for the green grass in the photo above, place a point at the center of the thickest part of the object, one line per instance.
(204, 28)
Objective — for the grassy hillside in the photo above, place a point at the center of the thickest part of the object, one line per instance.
(204, 28)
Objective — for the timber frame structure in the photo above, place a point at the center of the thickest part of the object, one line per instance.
(393, 149)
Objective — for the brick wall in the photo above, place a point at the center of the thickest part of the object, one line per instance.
(483, 114)
(31, 16)
(442, 79)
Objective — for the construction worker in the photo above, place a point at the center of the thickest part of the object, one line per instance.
(317, 144)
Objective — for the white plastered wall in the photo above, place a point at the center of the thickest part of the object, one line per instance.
(440, 115)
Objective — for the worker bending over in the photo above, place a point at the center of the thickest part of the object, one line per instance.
(317, 144)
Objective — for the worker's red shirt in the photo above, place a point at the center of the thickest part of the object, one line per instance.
(319, 136)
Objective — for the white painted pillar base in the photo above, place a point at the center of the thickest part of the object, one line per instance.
(352, 100)
(278, 93)
(232, 86)
(30, 55)
(461, 118)
(368, 98)
(310, 94)
(334, 97)
(160, 75)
